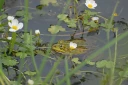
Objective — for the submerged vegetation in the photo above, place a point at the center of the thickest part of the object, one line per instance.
(20, 47)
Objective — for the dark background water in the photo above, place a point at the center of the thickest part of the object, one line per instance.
(48, 16)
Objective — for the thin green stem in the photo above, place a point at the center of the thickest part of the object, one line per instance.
(32, 54)
(12, 43)
(1, 4)
(50, 74)
(113, 68)
(67, 71)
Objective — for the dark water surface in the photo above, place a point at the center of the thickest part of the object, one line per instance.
(42, 19)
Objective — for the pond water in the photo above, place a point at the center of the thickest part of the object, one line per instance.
(42, 19)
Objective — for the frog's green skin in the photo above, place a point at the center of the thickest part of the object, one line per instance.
(63, 47)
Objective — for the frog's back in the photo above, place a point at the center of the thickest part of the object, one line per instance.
(63, 47)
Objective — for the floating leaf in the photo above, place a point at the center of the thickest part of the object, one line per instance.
(21, 54)
(8, 61)
(39, 7)
(46, 2)
(30, 73)
(104, 63)
(90, 13)
(101, 64)
(3, 16)
(76, 60)
(72, 23)
(93, 24)
(109, 64)
(21, 13)
(62, 16)
(90, 63)
(123, 73)
(55, 29)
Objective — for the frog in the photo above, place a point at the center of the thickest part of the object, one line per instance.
(62, 46)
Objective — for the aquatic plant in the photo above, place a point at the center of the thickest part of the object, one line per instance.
(20, 47)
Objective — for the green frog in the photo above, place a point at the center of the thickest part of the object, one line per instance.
(63, 47)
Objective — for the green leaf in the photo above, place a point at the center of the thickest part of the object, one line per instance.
(72, 23)
(76, 60)
(30, 73)
(39, 7)
(90, 63)
(123, 73)
(107, 25)
(109, 64)
(101, 64)
(55, 29)
(85, 21)
(62, 16)
(93, 24)
(3, 16)
(90, 13)
(46, 2)
(21, 54)
(1, 28)
(8, 61)
(21, 13)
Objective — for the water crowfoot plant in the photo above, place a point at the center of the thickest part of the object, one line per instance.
(91, 4)
(20, 48)
(15, 25)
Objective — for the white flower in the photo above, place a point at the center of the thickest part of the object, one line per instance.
(30, 82)
(37, 32)
(72, 45)
(10, 18)
(9, 38)
(91, 4)
(95, 19)
(15, 25)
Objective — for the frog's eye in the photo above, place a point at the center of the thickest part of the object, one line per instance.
(61, 46)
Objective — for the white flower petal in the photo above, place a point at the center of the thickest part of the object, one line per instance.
(91, 2)
(95, 5)
(9, 38)
(12, 30)
(20, 25)
(95, 18)
(72, 45)
(10, 18)
(15, 22)
(30, 82)
(37, 31)
(10, 24)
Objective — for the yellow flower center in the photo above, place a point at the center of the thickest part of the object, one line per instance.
(15, 27)
(115, 14)
(72, 47)
(90, 6)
